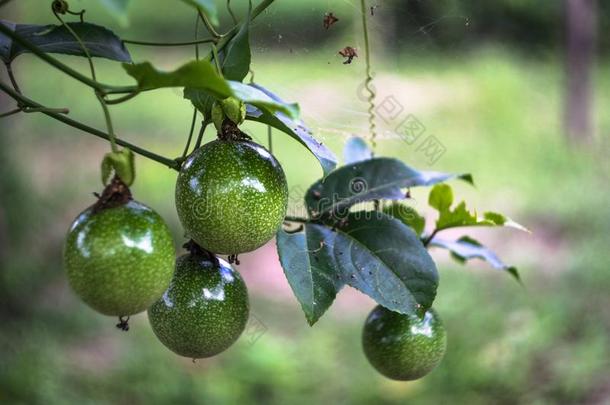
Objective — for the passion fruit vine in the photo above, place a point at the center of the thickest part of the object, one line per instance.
(231, 196)
(119, 254)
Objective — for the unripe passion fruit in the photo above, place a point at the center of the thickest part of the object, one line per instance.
(231, 196)
(119, 260)
(204, 310)
(403, 347)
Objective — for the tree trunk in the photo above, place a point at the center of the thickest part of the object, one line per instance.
(581, 35)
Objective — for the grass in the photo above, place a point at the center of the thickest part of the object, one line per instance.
(498, 115)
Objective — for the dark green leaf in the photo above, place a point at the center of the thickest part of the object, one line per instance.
(356, 150)
(373, 179)
(441, 198)
(196, 74)
(294, 128)
(99, 41)
(369, 251)
(236, 56)
(208, 7)
(309, 268)
(407, 215)
(467, 248)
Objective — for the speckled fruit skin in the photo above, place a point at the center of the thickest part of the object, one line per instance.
(403, 347)
(231, 196)
(119, 260)
(204, 310)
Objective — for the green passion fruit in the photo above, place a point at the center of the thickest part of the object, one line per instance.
(231, 196)
(119, 256)
(403, 347)
(204, 310)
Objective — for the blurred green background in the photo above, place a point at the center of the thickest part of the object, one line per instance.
(485, 78)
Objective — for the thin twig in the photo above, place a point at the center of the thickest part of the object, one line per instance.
(11, 76)
(209, 26)
(204, 125)
(230, 10)
(187, 43)
(122, 99)
(427, 240)
(22, 100)
(190, 138)
(11, 112)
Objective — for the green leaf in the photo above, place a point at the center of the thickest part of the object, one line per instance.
(208, 7)
(99, 41)
(373, 179)
(255, 96)
(295, 128)
(369, 251)
(236, 57)
(310, 270)
(356, 150)
(407, 215)
(196, 74)
(441, 198)
(467, 248)
(247, 93)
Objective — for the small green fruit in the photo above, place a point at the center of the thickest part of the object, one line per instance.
(119, 260)
(231, 196)
(403, 347)
(204, 310)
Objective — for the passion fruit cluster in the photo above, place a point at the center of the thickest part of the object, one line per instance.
(231, 198)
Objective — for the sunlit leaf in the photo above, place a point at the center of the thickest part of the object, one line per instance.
(467, 248)
(441, 198)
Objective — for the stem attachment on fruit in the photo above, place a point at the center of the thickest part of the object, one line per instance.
(195, 250)
(114, 195)
(123, 323)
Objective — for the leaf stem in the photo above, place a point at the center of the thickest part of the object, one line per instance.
(230, 10)
(428, 239)
(11, 76)
(190, 138)
(122, 99)
(80, 43)
(11, 112)
(204, 125)
(269, 140)
(216, 60)
(168, 44)
(209, 26)
(22, 100)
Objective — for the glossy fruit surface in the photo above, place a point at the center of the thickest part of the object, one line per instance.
(231, 196)
(204, 310)
(119, 260)
(403, 347)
